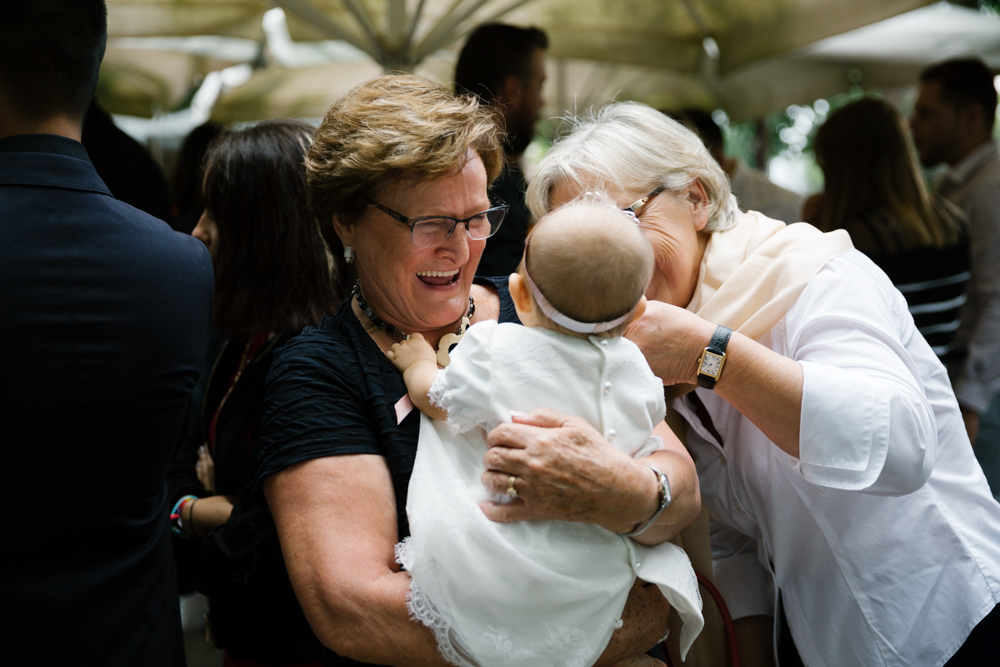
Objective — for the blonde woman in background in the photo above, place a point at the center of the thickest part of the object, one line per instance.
(875, 191)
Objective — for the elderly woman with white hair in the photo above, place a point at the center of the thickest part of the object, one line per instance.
(830, 449)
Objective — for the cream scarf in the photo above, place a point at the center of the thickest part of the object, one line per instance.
(752, 273)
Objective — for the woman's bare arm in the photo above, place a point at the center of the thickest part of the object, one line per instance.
(763, 385)
(336, 519)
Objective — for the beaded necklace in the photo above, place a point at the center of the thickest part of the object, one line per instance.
(444, 345)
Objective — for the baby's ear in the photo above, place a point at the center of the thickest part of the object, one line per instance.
(640, 309)
(519, 293)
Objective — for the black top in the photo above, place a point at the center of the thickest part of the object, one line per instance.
(331, 391)
(258, 620)
(933, 280)
(237, 426)
(504, 249)
(104, 315)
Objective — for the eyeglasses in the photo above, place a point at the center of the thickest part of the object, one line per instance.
(632, 210)
(433, 230)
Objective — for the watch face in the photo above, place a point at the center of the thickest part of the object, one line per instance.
(711, 364)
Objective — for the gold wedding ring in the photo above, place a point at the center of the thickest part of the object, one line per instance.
(511, 491)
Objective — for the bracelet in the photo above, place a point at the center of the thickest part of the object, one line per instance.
(176, 524)
(665, 499)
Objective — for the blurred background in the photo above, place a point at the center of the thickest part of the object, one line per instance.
(770, 70)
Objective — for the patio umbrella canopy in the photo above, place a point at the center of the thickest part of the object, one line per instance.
(747, 56)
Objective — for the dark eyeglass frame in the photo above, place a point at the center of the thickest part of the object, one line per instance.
(412, 222)
(632, 210)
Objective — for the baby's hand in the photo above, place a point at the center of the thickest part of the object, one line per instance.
(408, 352)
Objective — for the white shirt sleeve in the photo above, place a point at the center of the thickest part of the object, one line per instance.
(465, 387)
(745, 584)
(866, 423)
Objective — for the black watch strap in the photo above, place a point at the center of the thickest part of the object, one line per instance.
(712, 359)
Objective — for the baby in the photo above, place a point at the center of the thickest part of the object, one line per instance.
(537, 593)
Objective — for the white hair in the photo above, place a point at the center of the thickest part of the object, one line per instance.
(632, 148)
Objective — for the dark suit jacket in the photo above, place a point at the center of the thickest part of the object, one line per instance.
(104, 315)
(504, 249)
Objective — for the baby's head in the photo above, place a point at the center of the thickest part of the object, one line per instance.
(590, 262)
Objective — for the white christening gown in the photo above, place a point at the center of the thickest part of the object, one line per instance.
(530, 593)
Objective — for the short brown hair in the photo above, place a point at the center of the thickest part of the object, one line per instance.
(394, 126)
(590, 261)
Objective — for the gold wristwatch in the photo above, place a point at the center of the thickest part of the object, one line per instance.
(713, 358)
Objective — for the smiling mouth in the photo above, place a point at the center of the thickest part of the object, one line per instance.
(438, 278)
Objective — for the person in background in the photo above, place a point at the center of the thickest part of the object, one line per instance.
(125, 166)
(504, 66)
(753, 190)
(952, 123)
(875, 191)
(104, 314)
(272, 278)
(188, 175)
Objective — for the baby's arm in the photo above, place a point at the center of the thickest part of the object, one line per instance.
(416, 359)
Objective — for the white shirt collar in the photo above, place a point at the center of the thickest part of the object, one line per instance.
(964, 170)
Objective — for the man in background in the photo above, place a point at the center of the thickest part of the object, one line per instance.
(104, 314)
(952, 123)
(504, 65)
(753, 190)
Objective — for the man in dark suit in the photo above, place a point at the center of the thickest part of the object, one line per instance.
(104, 315)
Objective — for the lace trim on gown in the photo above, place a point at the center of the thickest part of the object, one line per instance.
(441, 398)
(422, 609)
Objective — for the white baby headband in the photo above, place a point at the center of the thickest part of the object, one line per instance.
(566, 321)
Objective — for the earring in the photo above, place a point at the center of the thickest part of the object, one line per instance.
(349, 255)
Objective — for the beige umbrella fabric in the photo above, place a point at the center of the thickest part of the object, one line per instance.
(146, 76)
(156, 18)
(748, 56)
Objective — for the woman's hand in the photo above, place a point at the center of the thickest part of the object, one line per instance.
(205, 469)
(565, 470)
(672, 340)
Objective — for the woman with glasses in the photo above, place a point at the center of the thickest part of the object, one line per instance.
(848, 507)
(398, 177)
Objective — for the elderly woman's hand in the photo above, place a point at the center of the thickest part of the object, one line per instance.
(564, 470)
(672, 340)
